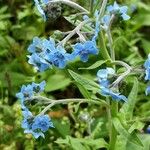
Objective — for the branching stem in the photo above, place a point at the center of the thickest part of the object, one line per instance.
(73, 32)
(71, 4)
(51, 102)
(123, 75)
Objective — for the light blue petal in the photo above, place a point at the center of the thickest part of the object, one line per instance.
(110, 8)
(147, 91)
(123, 9)
(84, 57)
(125, 16)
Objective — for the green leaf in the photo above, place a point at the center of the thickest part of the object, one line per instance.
(136, 125)
(96, 65)
(127, 108)
(123, 145)
(62, 128)
(83, 144)
(146, 46)
(13, 79)
(86, 83)
(133, 138)
(56, 82)
(83, 91)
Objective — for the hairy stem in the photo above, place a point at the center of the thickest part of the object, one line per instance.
(91, 6)
(123, 75)
(71, 4)
(102, 10)
(73, 32)
(103, 48)
(110, 40)
(63, 101)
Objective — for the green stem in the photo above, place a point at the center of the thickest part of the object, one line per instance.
(102, 10)
(109, 118)
(113, 138)
(112, 51)
(103, 48)
(52, 103)
(71, 4)
(91, 6)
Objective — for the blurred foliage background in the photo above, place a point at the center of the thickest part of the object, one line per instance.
(19, 23)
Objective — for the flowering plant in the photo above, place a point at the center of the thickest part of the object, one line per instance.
(94, 40)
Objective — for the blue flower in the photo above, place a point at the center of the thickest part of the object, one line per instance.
(25, 93)
(46, 1)
(45, 54)
(103, 73)
(40, 63)
(114, 95)
(106, 21)
(28, 117)
(84, 50)
(36, 46)
(38, 88)
(42, 123)
(147, 68)
(148, 130)
(41, 46)
(115, 8)
(27, 124)
(58, 57)
(103, 77)
(147, 91)
(35, 125)
(39, 6)
(97, 25)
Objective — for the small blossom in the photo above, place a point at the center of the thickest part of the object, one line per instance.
(85, 17)
(147, 91)
(84, 50)
(106, 21)
(116, 9)
(103, 73)
(39, 46)
(104, 82)
(147, 68)
(45, 53)
(58, 57)
(25, 93)
(27, 124)
(38, 62)
(97, 25)
(114, 95)
(35, 125)
(148, 130)
(38, 88)
(42, 123)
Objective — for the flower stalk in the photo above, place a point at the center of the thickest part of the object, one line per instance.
(71, 4)
(52, 103)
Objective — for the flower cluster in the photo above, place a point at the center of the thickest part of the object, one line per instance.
(45, 53)
(103, 78)
(35, 125)
(147, 72)
(84, 50)
(112, 10)
(116, 9)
